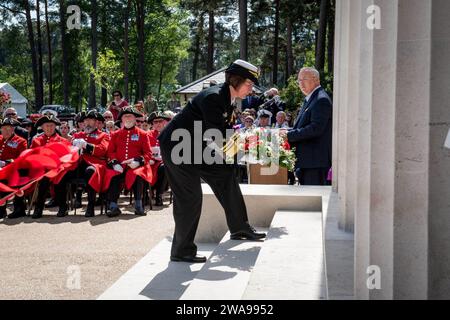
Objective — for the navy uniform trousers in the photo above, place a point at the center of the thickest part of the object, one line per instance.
(185, 183)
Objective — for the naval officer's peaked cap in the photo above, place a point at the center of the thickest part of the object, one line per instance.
(244, 69)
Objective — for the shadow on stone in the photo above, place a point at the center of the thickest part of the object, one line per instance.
(171, 283)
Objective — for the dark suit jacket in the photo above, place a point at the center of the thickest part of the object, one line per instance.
(311, 133)
(250, 103)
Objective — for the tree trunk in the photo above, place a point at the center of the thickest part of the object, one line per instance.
(243, 51)
(126, 60)
(40, 102)
(94, 53)
(141, 62)
(65, 69)
(49, 49)
(161, 74)
(33, 54)
(275, 43)
(198, 37)
(321, 36)
(210, 60)
(104, 36)
(289, 51)
(330, 47)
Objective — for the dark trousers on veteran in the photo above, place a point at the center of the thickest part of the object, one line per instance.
(185, 184)
(18, 204)
(116, 184)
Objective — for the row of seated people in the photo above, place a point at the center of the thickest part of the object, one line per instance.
(127, 158)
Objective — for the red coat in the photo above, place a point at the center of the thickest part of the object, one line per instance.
(154, 142)
(95, 155)
(98, 142)
(42, 140)
(10, 149)
(128, 144)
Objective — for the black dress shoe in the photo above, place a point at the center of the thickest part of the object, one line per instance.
(62, 212)
(90, 211)
(113, 212)
(2, 212)
(37, 213)
(159, 201)
(17, 214)
(139, 212)
(98, 202)
(192, 259)
(247, 234)
(51, 204)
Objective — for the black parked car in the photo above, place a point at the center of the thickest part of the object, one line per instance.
(63, 113)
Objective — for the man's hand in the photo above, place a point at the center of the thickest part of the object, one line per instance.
(283, 133)
(2, 164)
(118, 168)
(80, 143)
(133, 164)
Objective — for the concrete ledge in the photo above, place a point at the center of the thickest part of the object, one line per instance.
(291, 263)
(226, 273)
(262, 202)
(339, 250)
(154, 277)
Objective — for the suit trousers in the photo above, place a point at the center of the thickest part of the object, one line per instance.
(313, 177)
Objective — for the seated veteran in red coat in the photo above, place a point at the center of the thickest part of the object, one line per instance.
(158, 120)
(48, 125)
(129, 154)
(11, 146)
(93, 144)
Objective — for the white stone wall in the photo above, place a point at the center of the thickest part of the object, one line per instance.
(391, 171)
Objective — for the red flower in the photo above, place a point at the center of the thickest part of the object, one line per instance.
(286, 145)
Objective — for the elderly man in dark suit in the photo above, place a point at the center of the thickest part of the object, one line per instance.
(311, 133)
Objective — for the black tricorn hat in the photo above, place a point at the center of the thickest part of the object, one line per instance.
(80, 117)
(158, 115)
(9, 122)
(129, 110)
(26, 122)
(93, 114)
(47, 119)
(244, 69)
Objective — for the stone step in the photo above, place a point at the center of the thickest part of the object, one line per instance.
(262, 201)
(291, 263)
(226, 273)
(154, 277)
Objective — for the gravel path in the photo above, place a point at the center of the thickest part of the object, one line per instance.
(41, 259)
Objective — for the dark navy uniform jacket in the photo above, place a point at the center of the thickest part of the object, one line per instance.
(212, 107)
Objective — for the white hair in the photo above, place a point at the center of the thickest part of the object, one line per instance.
(312, 71)
(8, 109)
(275, 90)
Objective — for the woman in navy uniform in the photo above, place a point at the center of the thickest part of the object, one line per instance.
(213, 109)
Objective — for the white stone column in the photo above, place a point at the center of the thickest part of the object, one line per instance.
(362, 211)
(439, 157)
(341, 104)
(383, 125)
(412, 118)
